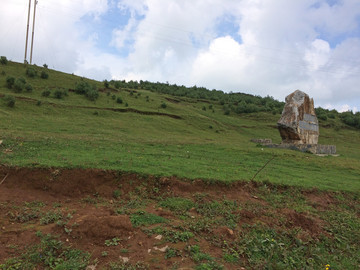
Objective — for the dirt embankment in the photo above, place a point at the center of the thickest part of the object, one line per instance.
(93, 213)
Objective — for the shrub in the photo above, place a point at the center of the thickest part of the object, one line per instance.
(163, 105)
(44, 75)
(19, 85)
(10, 82)
(31, 72)
(59, 94)
(113, 97)
(10, 101)
(45, 66)
(92, 94)
(106, 84)
(119, 100)
(46, 93)
(3, 60)
(28, 87)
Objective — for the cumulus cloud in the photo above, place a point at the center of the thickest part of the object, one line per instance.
(272, 48)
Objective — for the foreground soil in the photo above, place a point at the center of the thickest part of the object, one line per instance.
(130, 221)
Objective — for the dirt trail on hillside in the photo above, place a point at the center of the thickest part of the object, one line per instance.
(85, 198)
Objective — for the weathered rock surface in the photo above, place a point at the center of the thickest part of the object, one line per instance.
(298, 123)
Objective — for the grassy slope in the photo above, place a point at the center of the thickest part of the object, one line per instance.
(203, 144)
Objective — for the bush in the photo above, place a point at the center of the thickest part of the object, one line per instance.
(45, 66)
(46, 93)
(119, 100)
(163, 105)
(44, 75)
(28, 87)
(19, 85)
(10, 101)
(58, 94)
(106, 84)
(92, 94)
(10, 82)
(31, 72)
(3, 60)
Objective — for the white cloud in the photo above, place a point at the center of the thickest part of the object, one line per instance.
(284, 45)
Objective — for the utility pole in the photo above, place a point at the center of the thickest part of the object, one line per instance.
(32, 38)
(27, 31)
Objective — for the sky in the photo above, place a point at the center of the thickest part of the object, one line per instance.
(259, 47)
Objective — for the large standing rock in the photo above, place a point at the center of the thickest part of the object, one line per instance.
(298, 123)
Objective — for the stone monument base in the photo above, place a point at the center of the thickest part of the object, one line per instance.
(312, 148)
(317, 149)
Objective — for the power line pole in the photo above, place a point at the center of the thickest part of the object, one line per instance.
(33, 29)
(27, 31)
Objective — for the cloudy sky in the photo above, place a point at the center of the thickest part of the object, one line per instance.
(261, 47)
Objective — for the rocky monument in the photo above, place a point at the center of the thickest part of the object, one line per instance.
(298, 123)
(299, 127)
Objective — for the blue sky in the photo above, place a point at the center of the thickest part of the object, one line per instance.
(261, 47)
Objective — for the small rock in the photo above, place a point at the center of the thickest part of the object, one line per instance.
(255, 197)
(149, 250)
(192, 217)
(230, 231)
(111, 201)
(67, 240)
(3, 228)
(1, 141)
(140, 244)
(163, 249)
(91, 267)
(160, 209)
(158, 237)
(124, 259)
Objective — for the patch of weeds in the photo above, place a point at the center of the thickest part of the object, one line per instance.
(51, 253)
(204, 225)
(172, 252)
(177, 204)
(104, 254)
(112, 242)
(56, 205)
(51, 217)
(170, 235)
(116, 193)
(25, 215)
(197, 255)
(141, 218)
(91, 200)
(128, 266)
(209, 266)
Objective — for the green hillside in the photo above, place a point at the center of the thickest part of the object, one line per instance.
(147, 131)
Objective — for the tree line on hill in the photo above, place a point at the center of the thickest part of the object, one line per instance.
(232, 102)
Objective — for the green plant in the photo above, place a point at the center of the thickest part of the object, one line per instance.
(51, 217)
(106, 84)
(104, 254)
(46, 93)
(3, 60)
(31, 72)
(177, 204)
(28, 87)
(51, 253)
(112, 242)
(19, 85)
(163, 105)
(116, 193)
(141, 218)
(171, 252)
(58, 94)
(45, 66)
(44, 75)
(119, 100)
(9, 101)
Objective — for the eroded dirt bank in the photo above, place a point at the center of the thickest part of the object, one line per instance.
(128, 218)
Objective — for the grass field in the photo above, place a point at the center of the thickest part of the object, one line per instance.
(75, 132)
(90, 183)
